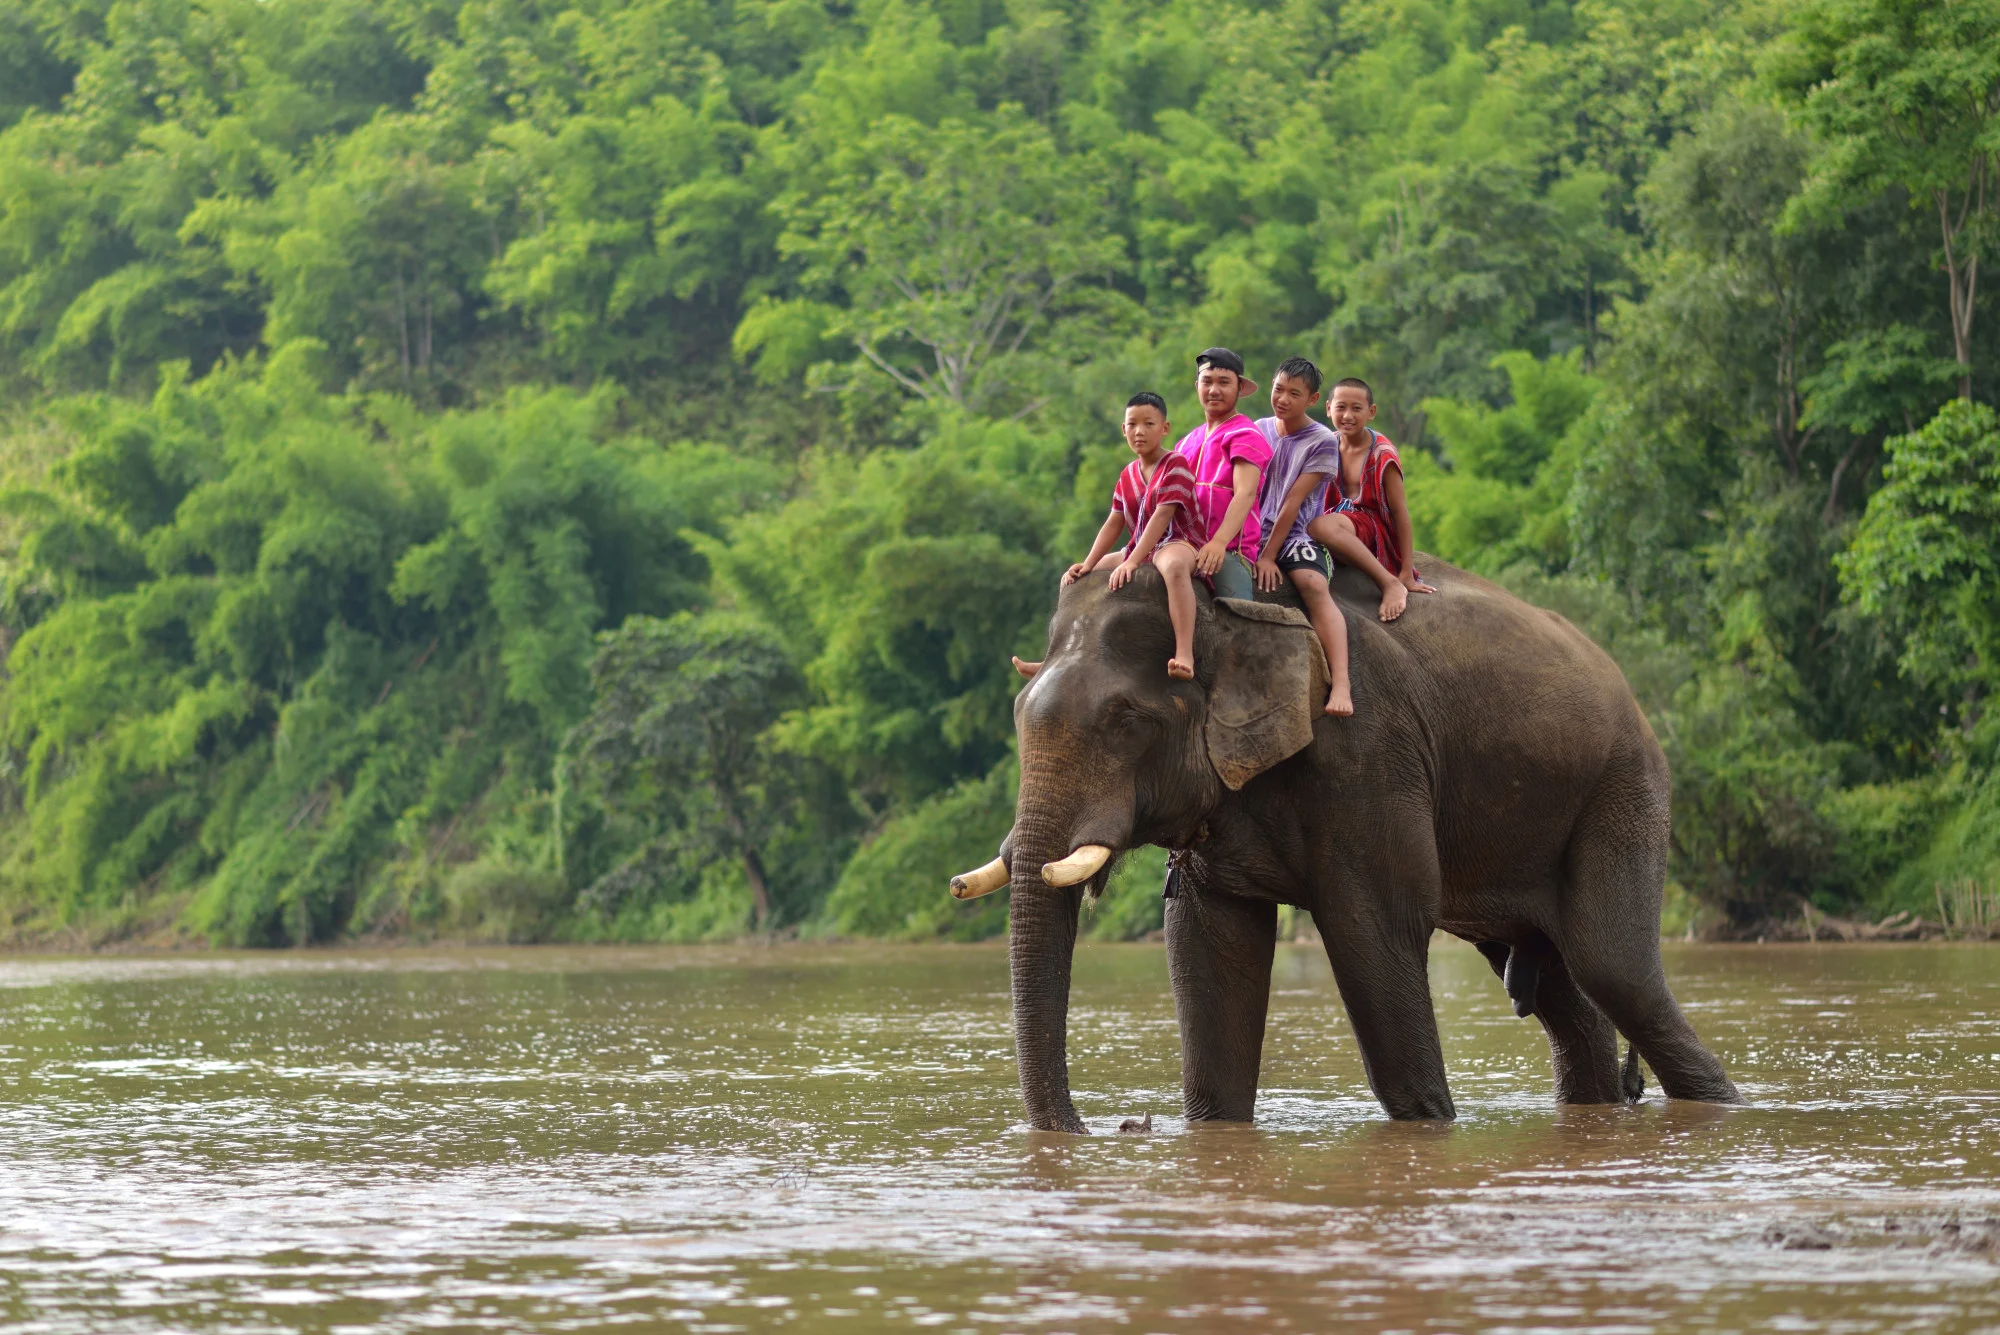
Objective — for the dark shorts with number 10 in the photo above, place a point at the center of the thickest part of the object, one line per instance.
(1305, 554)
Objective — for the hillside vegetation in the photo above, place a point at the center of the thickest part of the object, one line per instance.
(579, 470)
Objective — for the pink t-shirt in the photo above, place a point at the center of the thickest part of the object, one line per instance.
(1215, 452)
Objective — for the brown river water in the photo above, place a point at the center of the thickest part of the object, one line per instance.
(829, 1138)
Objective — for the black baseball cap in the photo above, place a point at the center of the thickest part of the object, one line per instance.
(1222, 359)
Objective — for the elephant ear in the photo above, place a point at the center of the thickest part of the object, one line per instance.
(1270, 680)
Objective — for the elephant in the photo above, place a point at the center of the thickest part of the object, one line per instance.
(1498, 780)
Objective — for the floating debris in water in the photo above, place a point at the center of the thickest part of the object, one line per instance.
(1799, 1237)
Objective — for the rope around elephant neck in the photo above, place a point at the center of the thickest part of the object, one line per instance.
(1178, 860)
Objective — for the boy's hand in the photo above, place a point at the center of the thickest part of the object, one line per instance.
(1122, 575)
(1268, 574)
(1209, 559)
(1415, 585)
(1073, 574)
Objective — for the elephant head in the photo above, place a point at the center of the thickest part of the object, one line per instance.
(1114, 753)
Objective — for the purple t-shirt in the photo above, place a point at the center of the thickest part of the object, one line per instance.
(1215, 452)
(1313, 450)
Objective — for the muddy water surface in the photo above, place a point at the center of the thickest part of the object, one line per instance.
(828, 1139)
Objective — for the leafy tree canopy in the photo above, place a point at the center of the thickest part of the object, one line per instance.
(581, 470)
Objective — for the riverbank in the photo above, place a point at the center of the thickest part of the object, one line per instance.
(1294, 929)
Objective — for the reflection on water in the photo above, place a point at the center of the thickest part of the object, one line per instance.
(830, 1138)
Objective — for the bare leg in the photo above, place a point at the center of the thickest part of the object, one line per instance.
(1335, 532)
(1175, 561)
(1331, 627)
(1182, 610)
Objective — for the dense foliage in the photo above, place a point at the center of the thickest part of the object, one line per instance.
(580, 470)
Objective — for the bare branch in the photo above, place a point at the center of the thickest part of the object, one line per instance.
(889, 368)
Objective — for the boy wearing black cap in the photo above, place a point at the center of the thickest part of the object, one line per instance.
(1228, 453)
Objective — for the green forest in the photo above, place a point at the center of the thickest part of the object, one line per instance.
(577, 469)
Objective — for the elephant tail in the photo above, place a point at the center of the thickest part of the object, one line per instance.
(1631, 1080)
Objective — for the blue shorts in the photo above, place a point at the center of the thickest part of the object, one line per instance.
(1234, 579)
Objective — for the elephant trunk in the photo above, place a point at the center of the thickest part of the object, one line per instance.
(1041, 933)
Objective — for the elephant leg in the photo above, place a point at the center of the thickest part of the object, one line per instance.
(1377, 928)
(1219, 950)
(1583, 1044)
(1609, 938)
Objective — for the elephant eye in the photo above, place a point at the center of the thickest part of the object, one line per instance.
(1132, 722)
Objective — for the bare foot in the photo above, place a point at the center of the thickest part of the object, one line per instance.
(1394, 599)
(1026, 669)
(1340, 702)
(1180, 669)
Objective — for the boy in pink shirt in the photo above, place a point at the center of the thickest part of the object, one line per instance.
(1228, 453)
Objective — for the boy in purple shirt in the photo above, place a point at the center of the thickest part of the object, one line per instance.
(1228, 453)
(1304, 455)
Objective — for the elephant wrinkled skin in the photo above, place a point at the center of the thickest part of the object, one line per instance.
(1497, 781)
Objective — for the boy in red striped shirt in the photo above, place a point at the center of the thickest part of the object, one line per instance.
(1153, 502)
(1366, 521)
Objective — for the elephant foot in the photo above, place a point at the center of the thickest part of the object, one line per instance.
(1133, 1126)
(1631, 1080)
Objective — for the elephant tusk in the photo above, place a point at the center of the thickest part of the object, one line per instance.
(1078, 867)
(985, 881)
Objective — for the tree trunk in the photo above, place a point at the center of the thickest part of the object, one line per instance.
(1589, 321)
(1964, 284)
(403, 323)
(760, 891)
(1961, 273)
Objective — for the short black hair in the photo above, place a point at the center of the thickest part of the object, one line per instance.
(1356, 382)
(1146, 398)
(1298, 368)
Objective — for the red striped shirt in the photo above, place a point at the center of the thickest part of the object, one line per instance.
(1137, 498)
(1373, 500)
